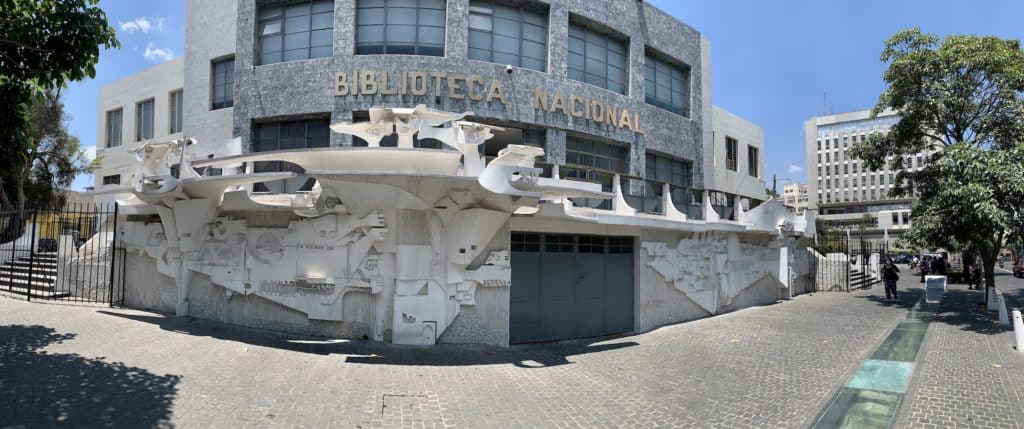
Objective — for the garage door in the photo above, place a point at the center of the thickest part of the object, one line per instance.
(570, 286)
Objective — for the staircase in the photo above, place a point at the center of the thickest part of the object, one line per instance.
(861, 280)
(15, 276)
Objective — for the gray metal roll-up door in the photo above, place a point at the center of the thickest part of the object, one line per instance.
(570, 286)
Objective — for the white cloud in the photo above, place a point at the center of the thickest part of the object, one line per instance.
(157, 54)
(90, 152)
(142, 24)
(793, 168)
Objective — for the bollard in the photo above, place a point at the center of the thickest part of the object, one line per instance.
(1018, 330)
(1003, 319)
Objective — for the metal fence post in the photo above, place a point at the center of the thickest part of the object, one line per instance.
(113, 257)
(31, 257)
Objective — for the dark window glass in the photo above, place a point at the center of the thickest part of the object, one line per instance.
(525, 242)
(597, 58)
(558, 243)
(413, 27)
(294, 30)
(667, 85)
(731, 153)
(112, 180)
(223, 83)
(144, 120)
(503, 34)
(289, 135)
(752, 162)
(176, 111)
(114, 128)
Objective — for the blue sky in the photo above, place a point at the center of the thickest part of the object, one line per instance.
(776, 63)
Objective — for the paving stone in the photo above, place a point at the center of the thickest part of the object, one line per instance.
(766, 367)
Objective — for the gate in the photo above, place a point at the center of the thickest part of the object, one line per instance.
(843, 263)
(63, 254)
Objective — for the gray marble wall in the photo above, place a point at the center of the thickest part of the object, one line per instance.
(304, 88)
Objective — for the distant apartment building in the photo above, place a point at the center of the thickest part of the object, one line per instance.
(794, 196)
(842, 189)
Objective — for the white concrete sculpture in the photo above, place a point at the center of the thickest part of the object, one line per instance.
(419, 232)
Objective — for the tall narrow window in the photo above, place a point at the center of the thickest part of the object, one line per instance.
(295, 30)
(144, 120)
(731, 153)
(667, 85)
(504, 34)
(223, 83)
(414, 27)
(752, 161)
(176, 110)
(597, 58)
(114, 128)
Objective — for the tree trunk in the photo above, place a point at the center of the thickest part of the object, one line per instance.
(988, 258)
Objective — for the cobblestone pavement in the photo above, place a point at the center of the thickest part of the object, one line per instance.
(772, 366)
(968, 374)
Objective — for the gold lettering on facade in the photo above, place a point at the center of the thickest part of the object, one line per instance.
(341, 84)
(558, 102)
(384, 90)
(419, 83)
(497, 92)
(368, 82)
(573, 101)
(636, 124)
(611, 115)
(625, 121)
(437, 82)
(596, 111)
(453, 86)
(540, 98)
(471, 84)
(402, 87)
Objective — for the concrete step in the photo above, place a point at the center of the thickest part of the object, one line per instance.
(26, 265)
(36, 283)
(7, 272)
(48, 294)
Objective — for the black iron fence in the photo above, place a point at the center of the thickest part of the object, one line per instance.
(67, 254)
(843, 262)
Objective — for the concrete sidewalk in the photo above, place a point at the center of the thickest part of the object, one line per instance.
(765, 367)
(968, 374)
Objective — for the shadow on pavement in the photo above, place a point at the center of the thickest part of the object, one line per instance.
(374, 352)
(39, 389)
(908, 296)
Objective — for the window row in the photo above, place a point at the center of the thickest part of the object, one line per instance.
(732, 157)
(500, 32)
(144, 120)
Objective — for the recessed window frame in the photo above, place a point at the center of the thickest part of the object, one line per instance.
(222, 75)
(597, 43)
(280, 23)
(114, 137)
(489, 13)
(113, 179)
(144, 118)
(272, 130)
(732, 153)
(367, 9)
(658, 67)
(175, 110)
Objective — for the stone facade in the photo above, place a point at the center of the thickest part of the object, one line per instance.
(304, 88)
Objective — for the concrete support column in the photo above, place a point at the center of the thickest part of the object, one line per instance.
(554, 146)
(558, 40)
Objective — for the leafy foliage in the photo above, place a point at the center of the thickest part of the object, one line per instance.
(44, 44)
(960, 101)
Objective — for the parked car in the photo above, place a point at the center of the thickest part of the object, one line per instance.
(1018, 269)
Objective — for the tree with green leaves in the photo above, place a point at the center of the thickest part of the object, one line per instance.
(44, 44)
(961, 102)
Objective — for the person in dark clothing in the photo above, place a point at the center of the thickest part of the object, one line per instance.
(924, 267)
(975, 277)
(890, 277)
(938, 266)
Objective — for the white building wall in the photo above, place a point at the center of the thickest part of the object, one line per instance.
(155, 83)
(738, 182)
(209, 35)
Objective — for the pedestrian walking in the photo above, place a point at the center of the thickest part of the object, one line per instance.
(923, 266)
(975, 277)
(890, 277)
